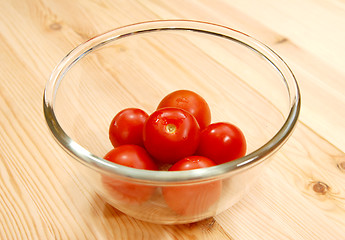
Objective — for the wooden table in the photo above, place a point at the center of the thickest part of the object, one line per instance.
(301, 196)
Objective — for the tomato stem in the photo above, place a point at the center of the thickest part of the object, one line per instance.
(170, 128)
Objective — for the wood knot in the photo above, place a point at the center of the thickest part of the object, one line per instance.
(206, 224)
(281, 40)
(320, 188)
(341, 166)
(55, 26)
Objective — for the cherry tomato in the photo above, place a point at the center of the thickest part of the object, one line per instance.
(191, 102)
(171, 134)
(192, 162)
(127, 127)
(196, 198)
(131, 156)
(222, 142)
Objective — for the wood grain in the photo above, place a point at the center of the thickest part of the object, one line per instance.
(300, 196)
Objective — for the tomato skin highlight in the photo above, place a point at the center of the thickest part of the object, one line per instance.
(193, 199)
(131, 156)
(171, 134)
(127, 127)
(222, 142)
(191, 102)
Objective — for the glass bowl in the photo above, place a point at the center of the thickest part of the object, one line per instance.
(243, 81)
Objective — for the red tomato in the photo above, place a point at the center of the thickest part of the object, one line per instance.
(127, 127)
(131, 156)
(171, 134)
(191, 102)
(196, 198)
(192, 162)
(222, 142)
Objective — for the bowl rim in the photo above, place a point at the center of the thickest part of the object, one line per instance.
(99, 164)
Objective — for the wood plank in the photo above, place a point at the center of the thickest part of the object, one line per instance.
(303, 26)
(305, 177)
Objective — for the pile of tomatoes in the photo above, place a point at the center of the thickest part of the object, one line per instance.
(179, 134)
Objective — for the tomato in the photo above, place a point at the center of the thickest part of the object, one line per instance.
(222, 142)
(191, 102)
(171, 134)
(127, 127)
(195, 198)
(192, 162)
(131, 156)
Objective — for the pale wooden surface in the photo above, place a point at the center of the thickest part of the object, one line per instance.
(301, 196)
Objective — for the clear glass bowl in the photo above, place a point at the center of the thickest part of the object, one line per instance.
(244, 82)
